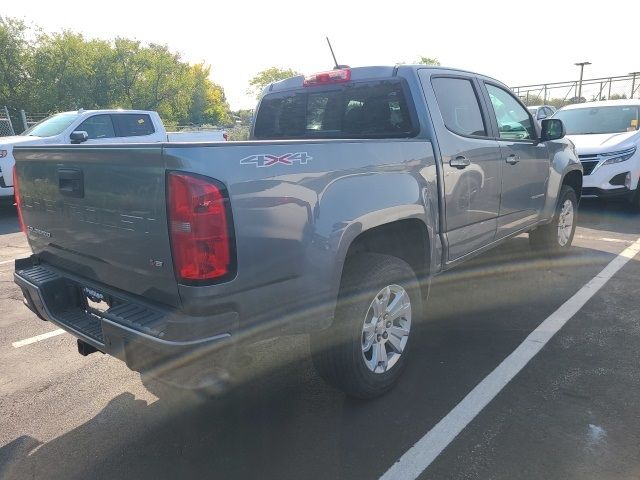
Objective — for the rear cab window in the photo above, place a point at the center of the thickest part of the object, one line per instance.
(458, 104)
(366, 109)
(133, 124)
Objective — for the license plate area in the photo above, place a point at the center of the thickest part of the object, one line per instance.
(95, 301)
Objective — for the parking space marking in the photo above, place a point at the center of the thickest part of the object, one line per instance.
(5, 262)
(605, 239)
(37, 338)
(418, 458)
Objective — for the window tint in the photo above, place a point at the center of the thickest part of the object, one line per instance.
(133, 124)
(98, 126)
(459, 106)
(514, 122)
(355, 110)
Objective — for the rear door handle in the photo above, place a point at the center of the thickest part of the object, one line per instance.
(513, 159)
(459, 162)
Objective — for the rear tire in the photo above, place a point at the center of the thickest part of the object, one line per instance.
(557, 236)
(365, 351)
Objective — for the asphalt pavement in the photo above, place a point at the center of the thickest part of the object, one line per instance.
(571, 413)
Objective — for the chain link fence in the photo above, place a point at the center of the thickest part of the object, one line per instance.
(6, 125)
(30, 119)
(560, 94)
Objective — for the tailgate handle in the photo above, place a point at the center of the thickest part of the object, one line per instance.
(71, 182)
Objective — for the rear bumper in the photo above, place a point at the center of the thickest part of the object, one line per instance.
(149, 338)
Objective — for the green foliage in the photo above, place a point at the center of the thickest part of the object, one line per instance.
(243, 117)
(65, 71)
(428, 61)
(14, 56)
(265, 77)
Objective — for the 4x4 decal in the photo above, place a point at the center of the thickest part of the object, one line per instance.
(269, 160)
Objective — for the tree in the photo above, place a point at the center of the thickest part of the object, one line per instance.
(428, 61)
(14, 59)
(267, 76)
(48, 72)
(208, 103)
(244, 116)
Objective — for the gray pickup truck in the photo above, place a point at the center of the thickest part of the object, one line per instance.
(357, 187)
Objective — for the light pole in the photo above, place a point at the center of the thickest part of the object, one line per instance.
(581, 65)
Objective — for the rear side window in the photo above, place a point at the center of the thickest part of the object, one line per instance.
(356, 110)
(133, 124)
(459, 106)
(98, 126)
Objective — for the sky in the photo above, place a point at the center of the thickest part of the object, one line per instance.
(516, 42)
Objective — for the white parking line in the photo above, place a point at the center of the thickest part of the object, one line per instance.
(37, 338)
(4, 262)
(604, 239)
(427, 449)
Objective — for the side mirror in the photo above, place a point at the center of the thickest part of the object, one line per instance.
(552, 129)
(79, 136)
(542, 116)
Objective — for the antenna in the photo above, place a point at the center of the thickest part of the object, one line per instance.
(337, 65)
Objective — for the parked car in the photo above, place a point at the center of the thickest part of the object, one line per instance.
(93, 127)
(606, 135)
(540, 112)
(363, 183)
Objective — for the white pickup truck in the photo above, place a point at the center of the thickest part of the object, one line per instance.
(90, 127)
(607, 138)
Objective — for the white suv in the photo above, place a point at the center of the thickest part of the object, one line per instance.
(607, 138)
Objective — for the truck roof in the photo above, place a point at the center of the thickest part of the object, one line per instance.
(109, 110)
(371, 72)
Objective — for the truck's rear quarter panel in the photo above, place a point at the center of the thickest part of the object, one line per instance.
(294, 222)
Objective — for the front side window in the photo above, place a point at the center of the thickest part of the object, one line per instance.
(459, 106)
(133, 124)
(593, 120)
(355, 110)
(514, 122)
(54, 125)
(98, 126)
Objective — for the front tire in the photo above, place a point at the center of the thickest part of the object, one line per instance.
(557, 236)
(365, 351)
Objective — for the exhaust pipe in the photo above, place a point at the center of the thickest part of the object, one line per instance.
(85, 349)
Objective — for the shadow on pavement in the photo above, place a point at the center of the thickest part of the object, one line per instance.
(608, 216)
(8, 219)
(289, 424)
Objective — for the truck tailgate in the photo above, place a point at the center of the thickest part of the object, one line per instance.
(100, 212)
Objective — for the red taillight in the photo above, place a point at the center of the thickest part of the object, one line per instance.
(16, 193)
(225, 135)
(323, 78)
(200, 228)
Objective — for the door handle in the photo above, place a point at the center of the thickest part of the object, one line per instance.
(459, 162)
(512, 159)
